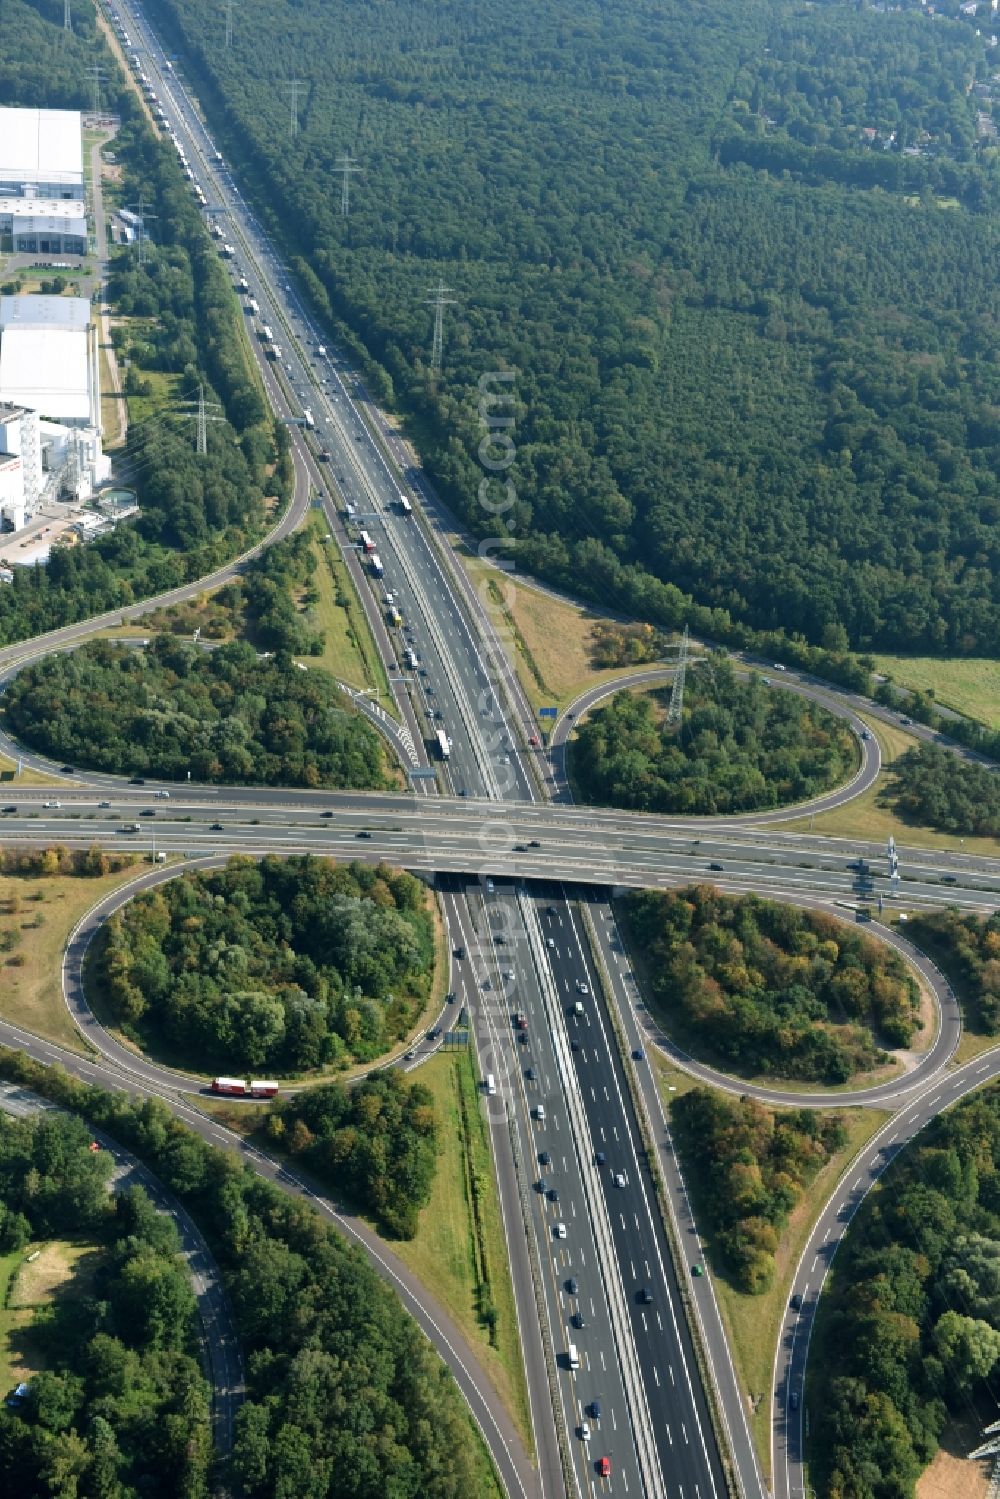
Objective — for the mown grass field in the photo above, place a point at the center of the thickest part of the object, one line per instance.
(63, 1267)
(968, 686)
(39, 913)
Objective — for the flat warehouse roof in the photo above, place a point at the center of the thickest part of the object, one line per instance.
(43, 208)
(46, 369)
(71, 313)
(41, 144)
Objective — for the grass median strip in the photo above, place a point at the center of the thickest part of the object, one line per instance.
(460, 1251)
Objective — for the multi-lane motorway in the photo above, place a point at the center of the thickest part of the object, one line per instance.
(601, 1301)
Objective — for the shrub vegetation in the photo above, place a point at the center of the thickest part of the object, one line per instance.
(751, 1165)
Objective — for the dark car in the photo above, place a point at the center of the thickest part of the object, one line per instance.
(9, 809)
(796, 1303)
(217, 827)
(572, 1286)
(646, 1296)
(541, 1185)
(579, 1320)
(638, 1055)
(716, 866)
(599, 1158)
(67, 770)
(574, 1046)
(326, 814)
(553, 1194)
(595, 1410)
(793, 1400)
(362, 833)
(451, 997)
(534, 843)
(136, 781)
(458, 952)
(530, 1074)
(544, 1159)
(148, 812)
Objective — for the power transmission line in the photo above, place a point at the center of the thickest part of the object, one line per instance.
(140, 209)
(677, 690)
(67, 18)
(439, 300)
(346, 166)
(96, 75)
(229, 23)
(293, 124)
(201, 419)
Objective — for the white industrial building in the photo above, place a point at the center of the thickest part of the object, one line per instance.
(42, 226)
(41, 153)
(50, 389)
(48, 358)
(21, 475)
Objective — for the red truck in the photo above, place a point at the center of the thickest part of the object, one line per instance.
(521, 1020)
(244, 1087)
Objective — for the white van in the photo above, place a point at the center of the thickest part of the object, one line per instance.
(491, 1084)
(540, 1112)
(573, 1354)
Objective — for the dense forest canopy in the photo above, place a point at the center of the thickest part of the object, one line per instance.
(909, 1329)
(771, 988)
(741, 746)
(749, 1166)
(280, 965)
(344, 1392)
(173, 707)
(120, 1407)
(768, 389)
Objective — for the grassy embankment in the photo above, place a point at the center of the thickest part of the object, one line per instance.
(349, 652)
(10, 780)
(550, 640)
(865, 816)
(38, 913)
